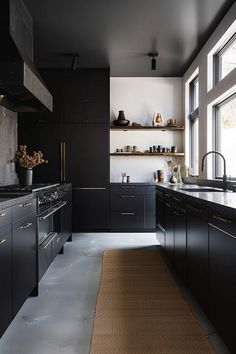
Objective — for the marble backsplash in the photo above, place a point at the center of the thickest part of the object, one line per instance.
(8, 145)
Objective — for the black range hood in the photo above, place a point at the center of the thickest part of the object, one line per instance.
(21, 87)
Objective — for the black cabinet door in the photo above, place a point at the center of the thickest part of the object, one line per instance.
(222, 266)
(96, 84)
(180, 243)
(197, 254)
(169, 231)
(24, 253)
(90, 209)
(5, 276)
(47, 138)
(87, 154)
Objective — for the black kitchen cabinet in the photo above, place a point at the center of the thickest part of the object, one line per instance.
(47, 138)
(6, 278)
(86, 154)
(75, 140)
(180, 242)
(132, 207)
(24, 255)
(90, 208)
(66, 214)
(197, 252)
(169, 229)
(160, 217)
(222, 266)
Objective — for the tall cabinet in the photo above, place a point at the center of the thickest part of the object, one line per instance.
(75, 140)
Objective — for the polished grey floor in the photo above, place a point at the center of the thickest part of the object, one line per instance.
(60, 320)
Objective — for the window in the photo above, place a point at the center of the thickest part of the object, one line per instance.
(194, 124)
(225, 136)
(225, 59)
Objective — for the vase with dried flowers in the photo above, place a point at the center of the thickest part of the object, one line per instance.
(26, 163)
(175, 174)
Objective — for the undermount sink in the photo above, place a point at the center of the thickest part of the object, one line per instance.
(200, 189)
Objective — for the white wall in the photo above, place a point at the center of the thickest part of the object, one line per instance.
(208, 95)
(140, 98)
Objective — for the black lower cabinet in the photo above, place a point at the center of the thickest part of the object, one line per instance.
(132, 207)
(90, 209)
(5, 276)
(197, 253)
(169, 231)
(24, 255)
(222, 270)
(180, 243)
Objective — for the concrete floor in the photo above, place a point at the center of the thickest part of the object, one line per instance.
(60, 320)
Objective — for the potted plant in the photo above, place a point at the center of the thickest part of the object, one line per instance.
(26, 163)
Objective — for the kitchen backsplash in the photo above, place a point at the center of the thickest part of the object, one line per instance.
(8, 145)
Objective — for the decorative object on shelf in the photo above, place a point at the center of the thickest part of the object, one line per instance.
(173, 149)
(171, 122)
(127, 179)
(27, 163)
(135, 149)
(173, 179)
(134, 124)
(160, 176)
(121, 121)
(157, 120)
(124, 177)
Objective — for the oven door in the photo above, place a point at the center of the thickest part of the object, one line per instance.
(49, 230)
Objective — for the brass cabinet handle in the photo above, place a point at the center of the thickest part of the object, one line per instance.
(220, 218)
(25, 205)
(194, 209)
(28, 224)
(127, 213)
(90, 188)
(128, 196)
(2, 215)
(2, 241)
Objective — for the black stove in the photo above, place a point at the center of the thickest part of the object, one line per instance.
(19, 189)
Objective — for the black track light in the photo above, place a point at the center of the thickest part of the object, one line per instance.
(74, 61)
(153, 55)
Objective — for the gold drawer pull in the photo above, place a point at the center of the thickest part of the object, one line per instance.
(25, 205)
(2, 241)
(2, 215)
(127, 213)
(220, 218)
(28, 224)
(128, 196)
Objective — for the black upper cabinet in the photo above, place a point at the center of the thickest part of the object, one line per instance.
(47, 138)
(86, 154)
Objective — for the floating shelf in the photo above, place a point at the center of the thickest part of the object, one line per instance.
(142, 127)
(147, 154)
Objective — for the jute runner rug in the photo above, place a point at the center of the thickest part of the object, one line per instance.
(141, 311)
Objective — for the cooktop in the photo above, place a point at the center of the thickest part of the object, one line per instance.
(17, 188)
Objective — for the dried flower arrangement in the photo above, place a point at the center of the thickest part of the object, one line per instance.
(28, 161)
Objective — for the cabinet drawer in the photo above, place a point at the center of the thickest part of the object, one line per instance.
(128, 188)
(23, 209)
(5, 217)
(127, 220)
(224, 221)
(127, 202)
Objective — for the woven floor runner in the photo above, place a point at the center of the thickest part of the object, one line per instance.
(141, 311)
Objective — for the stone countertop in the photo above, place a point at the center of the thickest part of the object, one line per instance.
(133, 184)
(219, 198)
(8, 201)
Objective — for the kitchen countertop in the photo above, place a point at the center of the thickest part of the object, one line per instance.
(6, 202)
(219, 198)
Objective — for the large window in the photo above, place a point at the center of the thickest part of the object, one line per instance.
(225, 136)
(225, 59)
(194, 124)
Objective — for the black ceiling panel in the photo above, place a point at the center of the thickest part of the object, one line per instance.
(121, 33)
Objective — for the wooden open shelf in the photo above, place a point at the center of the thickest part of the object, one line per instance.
(147, 154)
(142, 127)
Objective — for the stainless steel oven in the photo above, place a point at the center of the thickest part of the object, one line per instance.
(49, 207)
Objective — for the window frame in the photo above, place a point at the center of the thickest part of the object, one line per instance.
(217, 62)
(217, 135)
(193, 117)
